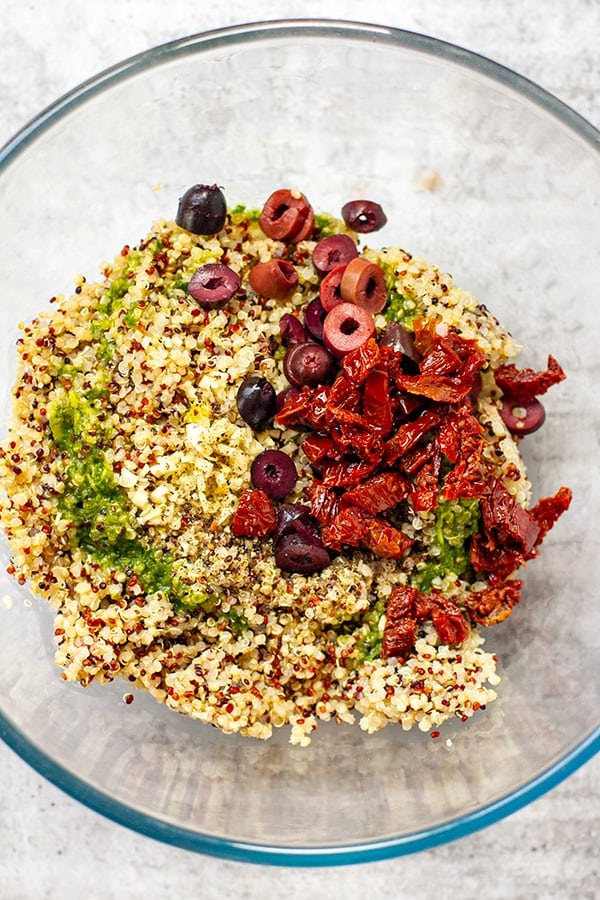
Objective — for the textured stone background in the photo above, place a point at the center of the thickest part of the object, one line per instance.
(51, 846)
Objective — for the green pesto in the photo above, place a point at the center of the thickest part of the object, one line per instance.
(237, 621)
(455, 522)
(98, 508)
(368, 645)
(111, 304)
(399, 308)
(133, 315)
(327, 225)
(240, 213)
(179, 282)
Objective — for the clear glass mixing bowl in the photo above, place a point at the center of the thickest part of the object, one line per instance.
(481, 172)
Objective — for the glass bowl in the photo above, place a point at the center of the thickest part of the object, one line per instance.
(479, 171)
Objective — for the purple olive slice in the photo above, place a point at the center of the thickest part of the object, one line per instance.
(332, 251)
(314, 316)
(308, 364)
(363, 216)
(213, 284)
(346, 327)
(292, 330)
(522, 418)
(274, 472)
(294, 554)
(296, 518)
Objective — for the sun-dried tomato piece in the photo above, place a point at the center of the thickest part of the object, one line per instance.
(349, 528)
(460, 439)
(324, 503)
(499, 562)
(305, 409)
(344, 403)
(379, 492)
(400, 629)
(495, 603)
(547, 510)
(412, 461)
(449, 436)
(255, 515)
(410, 434)
(399, 638)
(357, 440)
(406, 607)
(295, 409)
(422, 606)
(347, 473)
(425, 493)
(425, 333)
(401, 601)
(522, 385)
(384, 540)
(377, 405)
(509, 534)
(316, 416)
(449, 621)
(357, 364)
(319, 447)
(442, 359)
(447, 372)
(506, 522)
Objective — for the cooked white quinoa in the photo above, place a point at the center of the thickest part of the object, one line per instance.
(159, 377)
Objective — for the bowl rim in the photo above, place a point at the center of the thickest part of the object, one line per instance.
(146, 824)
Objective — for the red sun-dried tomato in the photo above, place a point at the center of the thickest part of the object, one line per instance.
(409, 434)
(547, 510)
(344, 403)
(400, 629)
(425, 493)
(448, 371)
(348, 527)
(506, 522)
(522, 385)
(324, 503)
(406, 607)
(319, 447)
(411, 462)
(358, 440)
(384, 540)
(255, 515)
(347, 473)
(306, 409)
(460, 439)
(377, 404)
(449, 621)
(495, 603)
(357, 364)
(379, 492)
(494, 561)
(399, 638)
(425, 333)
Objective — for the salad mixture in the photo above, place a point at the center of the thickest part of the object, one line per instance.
(272, 475)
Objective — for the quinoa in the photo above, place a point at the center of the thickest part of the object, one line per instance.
(147, 382)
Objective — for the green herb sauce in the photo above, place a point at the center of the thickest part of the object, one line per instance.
(240, 213)
(98, 508)
(368, 645)
(455, 522)
(399, 308)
